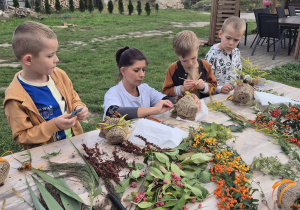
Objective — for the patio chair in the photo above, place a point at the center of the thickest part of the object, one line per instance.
(280, 12)
(292, 10)
(268, 27)
(256, 12)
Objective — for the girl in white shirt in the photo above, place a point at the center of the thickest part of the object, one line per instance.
(130, 96)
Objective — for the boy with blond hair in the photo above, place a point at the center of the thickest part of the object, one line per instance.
(40, 96)
(189, 73)
(225, 57)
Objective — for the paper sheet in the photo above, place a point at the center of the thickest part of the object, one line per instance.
(265, 98)
(157, 133)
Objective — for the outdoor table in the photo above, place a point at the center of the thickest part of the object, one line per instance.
(248, 144)
(293, 21)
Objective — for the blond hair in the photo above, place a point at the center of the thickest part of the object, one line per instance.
(28, 38)
(237, 24)
(185, 43)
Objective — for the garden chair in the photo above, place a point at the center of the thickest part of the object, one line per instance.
(256, 12)
(280, 12)
(268, 27)
(292, 10)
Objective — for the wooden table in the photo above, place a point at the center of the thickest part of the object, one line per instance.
(249, 144)
(293, 21)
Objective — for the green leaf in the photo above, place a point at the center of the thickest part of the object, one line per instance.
(35, 200)
(201, 157)
(205, 176)
(57, 184)
(68, 202)
(144, 205)
(168, 177)
(163, 169)
(175, 168)
(48, 198)
(96, 178)
(135, 174)
(124, 183)
(97, 191)
(51, 154)
(161, 157)
(139, 166)
(156, 173)
(171, 203)
(196, 191)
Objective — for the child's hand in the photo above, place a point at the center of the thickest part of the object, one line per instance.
(254, 82)
(226, 88)
(82, 115)
(187, 85)
(63, 123)
(200, 84)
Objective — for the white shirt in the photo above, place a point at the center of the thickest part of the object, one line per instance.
(118, 95)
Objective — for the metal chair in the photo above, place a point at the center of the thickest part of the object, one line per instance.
(292, 10)
(268, 27)
(280, 12)
(256, 12)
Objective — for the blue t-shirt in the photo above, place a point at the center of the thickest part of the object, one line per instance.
(48, 101)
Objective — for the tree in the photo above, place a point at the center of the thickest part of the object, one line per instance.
(57, 5)
(130, 7)
(147, 8)
(16, 3)
(91, 6)
(47, 7)
(37, 7)
(139, 7)
(156, 8)
(121, 7)
(110, 7)
(27, 4)
(81, 6)
(100, 6)
(71, 4)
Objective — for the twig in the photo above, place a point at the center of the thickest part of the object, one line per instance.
(182, 78)
(20, 196)
(262, 192)
(3, 204)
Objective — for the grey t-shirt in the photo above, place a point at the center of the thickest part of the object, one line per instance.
(117, 95)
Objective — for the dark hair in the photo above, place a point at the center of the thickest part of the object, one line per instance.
(126, 56)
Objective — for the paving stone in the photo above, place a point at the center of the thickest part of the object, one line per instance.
(262, 58)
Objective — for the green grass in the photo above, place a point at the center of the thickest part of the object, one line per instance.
(87, 53)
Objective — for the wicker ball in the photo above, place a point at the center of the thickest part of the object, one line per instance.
(289, 196)
(186, 107)
(116, 135)
(4, 170)
(243, 94)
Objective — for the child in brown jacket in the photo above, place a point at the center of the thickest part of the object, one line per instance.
(189, 73)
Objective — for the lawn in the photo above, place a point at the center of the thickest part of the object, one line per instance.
(87, 53)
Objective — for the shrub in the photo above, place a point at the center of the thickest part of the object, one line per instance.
(71, 4)
(16, 3)
(27, 4)
(81, 6)
(130, 7)
(37, 7)
(100, 5)
(91, 6)
(156, 7)
(121, 7)
(57, 5)
(110, 7)
(139, 7)
(147, 8)
(47, 7)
